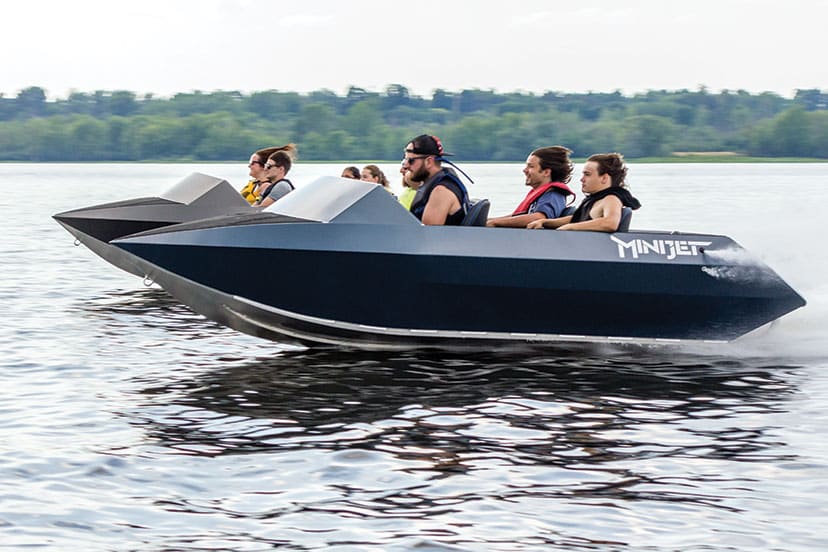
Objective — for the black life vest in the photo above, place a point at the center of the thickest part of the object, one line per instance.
(448, 178)
(270, 188)
(582, 212)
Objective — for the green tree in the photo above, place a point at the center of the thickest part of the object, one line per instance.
(553, 127)
(819, 135)
(792, 129)
(31, 102)
(223, 138)
(811, 100)
(441, 99)
(6, 108)
(315, 117)
(603, 136)
(88, 137)
(272, 104)
(11, 146)
(396, 95)
(362, 119)
(158, 138)
(120, 148)
(648, 136)
(122, 103)
(471, 138)
(761, 140)
(45, 139)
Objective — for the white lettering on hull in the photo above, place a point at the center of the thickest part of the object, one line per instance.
(670, 249)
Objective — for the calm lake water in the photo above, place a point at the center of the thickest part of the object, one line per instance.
(130, 423)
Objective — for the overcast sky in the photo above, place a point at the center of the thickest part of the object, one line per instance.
(169, 46)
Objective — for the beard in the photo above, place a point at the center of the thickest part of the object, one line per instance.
(420, 175)
(534, 181)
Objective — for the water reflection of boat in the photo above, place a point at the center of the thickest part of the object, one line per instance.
(452, 286)
(149, 307)
(195, 197)
(447, 405)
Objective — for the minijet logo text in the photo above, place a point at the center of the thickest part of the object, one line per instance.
(669, 248)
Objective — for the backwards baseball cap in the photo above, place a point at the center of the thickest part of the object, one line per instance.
(426, 144)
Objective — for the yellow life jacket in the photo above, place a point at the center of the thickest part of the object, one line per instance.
(249, 192)
(407, 197)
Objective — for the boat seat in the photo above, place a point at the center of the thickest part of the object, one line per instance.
(478, 213)
(626, 217)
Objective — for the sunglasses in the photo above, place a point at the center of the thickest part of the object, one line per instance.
(269, 166)
(255, 163)
(410, 160)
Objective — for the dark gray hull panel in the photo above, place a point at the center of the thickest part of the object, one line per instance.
(385, 286)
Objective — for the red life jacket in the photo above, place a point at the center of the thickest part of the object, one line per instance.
(534, 194)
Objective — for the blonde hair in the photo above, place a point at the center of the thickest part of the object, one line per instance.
(377, 173)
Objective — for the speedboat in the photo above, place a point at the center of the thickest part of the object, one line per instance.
(197, 196)
(341, 262)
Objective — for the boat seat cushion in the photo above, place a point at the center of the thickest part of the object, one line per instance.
(478, 213)
(626, 217)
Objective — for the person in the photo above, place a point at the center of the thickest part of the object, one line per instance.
(442, 199)
(252, 189)
(277, 167)
(548, 171)
(603, 181)
(351, 172)
(410, 188)
(372, 173)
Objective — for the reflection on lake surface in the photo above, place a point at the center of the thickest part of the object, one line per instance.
(453, 444)
(560, 405)
(131, 423)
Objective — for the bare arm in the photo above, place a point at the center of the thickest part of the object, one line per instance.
(441, 204)
(279, 190)
(519, 221)
(549, 223)
(606, 215)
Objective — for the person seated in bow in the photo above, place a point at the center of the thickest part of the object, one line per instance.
(276, 169)
(603, 180)
(373, 174)
(547, 173)
(351, 173)
(253, 189)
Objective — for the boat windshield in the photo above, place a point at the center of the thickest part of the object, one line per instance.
(335, 199)
(192, 187)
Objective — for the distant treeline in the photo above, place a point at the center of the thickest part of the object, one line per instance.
(477, 125)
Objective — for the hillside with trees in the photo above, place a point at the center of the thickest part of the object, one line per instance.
(477, 125)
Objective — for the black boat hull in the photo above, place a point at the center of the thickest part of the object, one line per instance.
(386, 286)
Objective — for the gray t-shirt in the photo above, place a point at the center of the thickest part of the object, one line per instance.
(278, 190)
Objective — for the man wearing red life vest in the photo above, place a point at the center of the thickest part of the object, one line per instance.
(547, 172)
